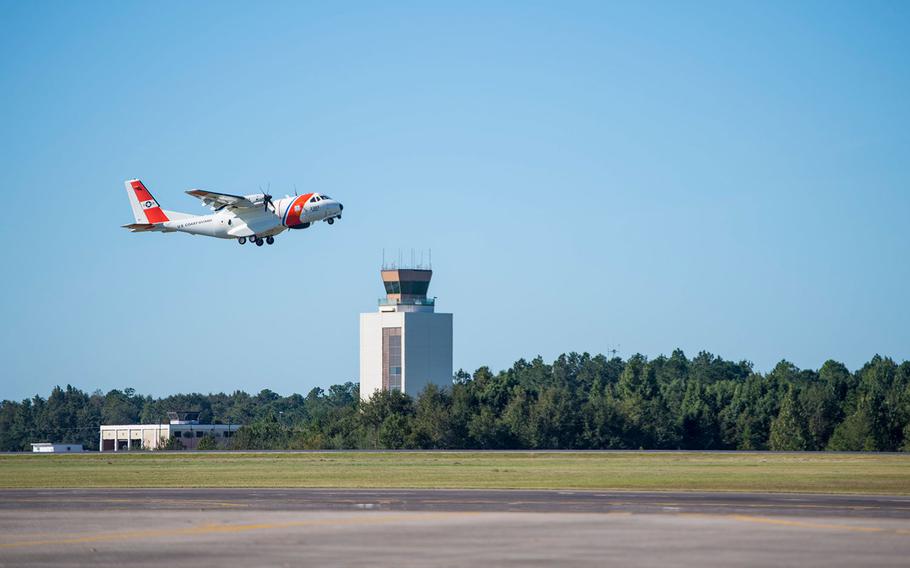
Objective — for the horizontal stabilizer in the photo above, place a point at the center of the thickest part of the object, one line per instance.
(139, 227)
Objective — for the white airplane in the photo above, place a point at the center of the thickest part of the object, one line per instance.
(255, 217)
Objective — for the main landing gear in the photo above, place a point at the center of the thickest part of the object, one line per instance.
(257, 240)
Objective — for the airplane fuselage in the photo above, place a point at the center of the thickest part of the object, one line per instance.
(287, 213)
(257, 218)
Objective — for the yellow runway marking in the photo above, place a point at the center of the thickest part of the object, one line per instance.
(126, 501)
(383, 519)
(796, 523)
(227, 528)
(813, 525)
(788, 505)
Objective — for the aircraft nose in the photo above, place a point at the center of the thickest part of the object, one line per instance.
(340, 207)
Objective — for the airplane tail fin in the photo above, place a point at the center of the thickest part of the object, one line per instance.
(145, 208)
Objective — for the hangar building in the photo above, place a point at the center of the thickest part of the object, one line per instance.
(183, 427)
(405, 345)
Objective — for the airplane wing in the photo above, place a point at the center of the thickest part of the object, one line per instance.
(219, 201)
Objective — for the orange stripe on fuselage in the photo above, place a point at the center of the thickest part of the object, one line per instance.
(293, 217)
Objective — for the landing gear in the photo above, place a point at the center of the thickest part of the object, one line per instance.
(258, 241)
(330, 220)
(241, 240)
(270, 240)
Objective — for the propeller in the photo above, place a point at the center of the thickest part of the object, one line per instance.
(266, 198)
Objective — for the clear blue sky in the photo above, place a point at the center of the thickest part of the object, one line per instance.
(723, 176)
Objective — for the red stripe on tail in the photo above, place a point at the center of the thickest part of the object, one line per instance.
(150, 207)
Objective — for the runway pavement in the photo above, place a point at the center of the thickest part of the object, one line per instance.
(277, 527)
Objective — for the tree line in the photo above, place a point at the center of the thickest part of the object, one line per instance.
(579, 401)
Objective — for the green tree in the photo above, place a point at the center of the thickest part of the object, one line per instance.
(516, 417)
(698, 426)
(395, 431)
(207, 442)
(788, 430)
(852, 435)
(487, 431)
(821, 403)
(121, 407)
(430, 428)
(171, 443)
(578, 401)
(552, 420)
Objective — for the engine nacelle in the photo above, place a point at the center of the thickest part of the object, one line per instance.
(255, 197)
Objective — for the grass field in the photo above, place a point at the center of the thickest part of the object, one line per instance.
(693, 471)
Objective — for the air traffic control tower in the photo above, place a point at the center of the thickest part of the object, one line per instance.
(405, 345)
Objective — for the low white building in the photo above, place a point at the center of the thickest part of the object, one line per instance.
(183, 427)
(49, 448)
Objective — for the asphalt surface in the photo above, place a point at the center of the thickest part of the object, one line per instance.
(291, 527)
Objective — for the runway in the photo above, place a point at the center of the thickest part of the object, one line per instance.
(276, 527)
